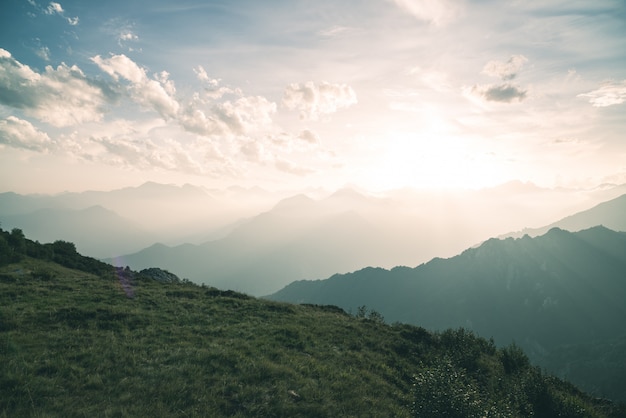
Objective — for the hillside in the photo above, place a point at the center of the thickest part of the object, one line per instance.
(74, 343)
(547, 293)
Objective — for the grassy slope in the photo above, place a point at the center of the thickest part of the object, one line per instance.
(74, 344)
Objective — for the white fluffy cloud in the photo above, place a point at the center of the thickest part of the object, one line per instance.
(201, 122)
(232, 118)
(314, 100)
(436, 12)
(156, 94)
(60, 96)
(20, 133)
(239, 117)
(246, 114)
(121, 66)
(608, 94)
(184, 134)
(213, 90)
(202, 75)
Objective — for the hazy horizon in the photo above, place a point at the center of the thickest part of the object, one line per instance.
(258, 241)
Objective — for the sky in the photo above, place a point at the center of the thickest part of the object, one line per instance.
(379, 94)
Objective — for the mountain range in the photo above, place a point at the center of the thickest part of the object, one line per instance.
(136, 217)
(256, 241)
(554, 292)
(303, 238)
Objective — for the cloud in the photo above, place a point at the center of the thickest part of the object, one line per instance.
(246, 114)
(436, 12)
(213, 90)
(156, 94)
(124, 36)
(230, 118)
(56, 8)
(505, 93)
(335, 31)
(18, 133)
(122, 30)
(203, 76)
(291, 168)
(308, 136)
(59, 96)
(608, 94)
(253, 151)
(146, 154)
(505, 70)
(43, 53)
(120, 66)
(314, 100)
(64, 96)
(123, 151)
(127, 35)
(201, 122)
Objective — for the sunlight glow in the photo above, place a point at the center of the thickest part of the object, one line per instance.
(434, 159)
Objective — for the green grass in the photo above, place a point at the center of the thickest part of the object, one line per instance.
(75, 344)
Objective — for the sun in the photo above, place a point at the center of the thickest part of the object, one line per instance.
(427, 161)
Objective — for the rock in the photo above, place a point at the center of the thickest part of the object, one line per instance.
(159, 275)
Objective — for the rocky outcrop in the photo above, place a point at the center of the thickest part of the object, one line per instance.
(160, 275)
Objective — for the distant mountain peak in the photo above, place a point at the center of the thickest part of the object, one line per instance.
(611, 213)
(347, 193)
(556, 231)
(294, 202)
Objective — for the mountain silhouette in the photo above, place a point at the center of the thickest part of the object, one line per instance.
(562, 288)
(268, 252)
(305, 238)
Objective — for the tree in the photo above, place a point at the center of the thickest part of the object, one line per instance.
(17, 243)
(5, 251)
(514, 359)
